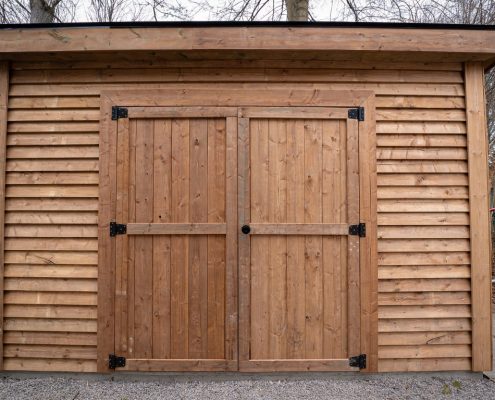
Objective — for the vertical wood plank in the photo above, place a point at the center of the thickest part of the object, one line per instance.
(342, 286)
(106, 246)
(295, 244)
(179, 244)
(216, 244)
(4, 94)
(333, 149)
(198, 251)
(277, 252)
(313, 213)
(231, 282)
(479, 218)
(143, 271)
(244, 209)
(131, 240)
(259, 255)
(162, 166)
(368, 254)
(121, 241)
(353, 278)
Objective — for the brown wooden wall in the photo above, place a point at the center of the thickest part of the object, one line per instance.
(51, 206)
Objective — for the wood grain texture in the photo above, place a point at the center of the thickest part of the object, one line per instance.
(425, 207)
(479, 217)
(304, 268)
(172, 275)
(473, 42)
(4, 94)
(106, 247)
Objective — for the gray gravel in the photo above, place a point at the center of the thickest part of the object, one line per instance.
(381, 387)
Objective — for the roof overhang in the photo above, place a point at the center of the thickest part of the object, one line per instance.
(389, 41)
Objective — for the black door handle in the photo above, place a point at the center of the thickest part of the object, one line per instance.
(246, 229)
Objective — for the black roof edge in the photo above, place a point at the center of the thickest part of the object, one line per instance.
(206, 24)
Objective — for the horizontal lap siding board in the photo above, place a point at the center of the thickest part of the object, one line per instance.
(52, 140)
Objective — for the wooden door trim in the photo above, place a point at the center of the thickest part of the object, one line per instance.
(191, 95)
(368, 253)
(106, 247)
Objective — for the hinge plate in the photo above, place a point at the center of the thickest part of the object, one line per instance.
(358, 361)
(358, 230)
(119, 112)
(356, 113)
(117, 229)
(115, 361)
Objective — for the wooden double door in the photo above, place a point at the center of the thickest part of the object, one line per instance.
(231, 239)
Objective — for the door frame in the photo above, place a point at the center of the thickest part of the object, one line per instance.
(205, 96)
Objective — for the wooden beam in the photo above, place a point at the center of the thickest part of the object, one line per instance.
(470, 42)
(479, 218)
(4, 95)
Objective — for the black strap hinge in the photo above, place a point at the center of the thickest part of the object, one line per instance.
(356, 113)
(117, 229)
(358, 230)
(119, 112)
(358, 361)
(115, 362)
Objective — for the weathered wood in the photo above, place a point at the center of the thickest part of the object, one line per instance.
(479, 217)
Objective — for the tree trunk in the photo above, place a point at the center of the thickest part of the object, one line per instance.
(297, 10)
(42, 12)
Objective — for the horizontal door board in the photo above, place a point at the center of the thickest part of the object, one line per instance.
(293, 112)
(299, 229)
(181, 112)
(291, 365)
(176, 229)
(161, 365)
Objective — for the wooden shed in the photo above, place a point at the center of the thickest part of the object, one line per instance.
(255, 197)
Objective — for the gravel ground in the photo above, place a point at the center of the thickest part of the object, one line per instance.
(382, 387)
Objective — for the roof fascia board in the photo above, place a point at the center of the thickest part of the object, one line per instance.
(73, 39)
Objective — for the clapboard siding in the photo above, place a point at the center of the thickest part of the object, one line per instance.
(423, 209)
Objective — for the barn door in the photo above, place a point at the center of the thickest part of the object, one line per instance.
(175, 266)
(299, 267)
